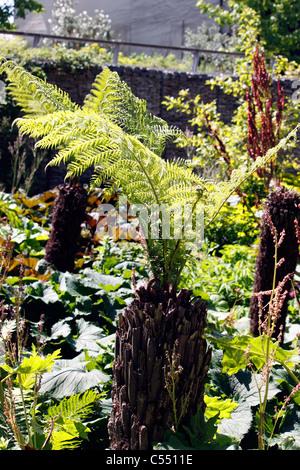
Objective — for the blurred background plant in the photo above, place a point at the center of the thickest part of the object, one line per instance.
(277, 23)
(210, 37)
(25, 161)
(66, 21)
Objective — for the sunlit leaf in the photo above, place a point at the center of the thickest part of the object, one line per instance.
(70, 377)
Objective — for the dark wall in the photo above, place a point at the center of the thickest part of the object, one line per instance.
(150, 84)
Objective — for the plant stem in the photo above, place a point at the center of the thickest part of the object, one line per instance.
(290, 372)
(25, 411)
(263, 405)
(1, 396)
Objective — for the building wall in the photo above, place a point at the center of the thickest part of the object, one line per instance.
(160, 22)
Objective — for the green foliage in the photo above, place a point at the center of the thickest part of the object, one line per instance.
(68, 417)
(72, 60)
(277, 22)
(19, 391)
(214, 147)
(77, 333)
(241, 350)
(236, 224)
(201, 434)
(27, 235)
(261, 354)
(224, 278)
(19, 8)
(80, 312)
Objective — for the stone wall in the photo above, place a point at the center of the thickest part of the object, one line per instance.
(149, 84)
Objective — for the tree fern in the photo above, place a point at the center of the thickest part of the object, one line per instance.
(114, 134)
(34, 95)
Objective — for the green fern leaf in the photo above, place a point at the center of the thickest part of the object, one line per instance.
(34, 95)
(67, 418)
(76, 407)
(113, 98)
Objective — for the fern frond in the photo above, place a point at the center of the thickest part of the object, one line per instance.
(62, 439)
(34, 95)
(113, 98)
(76, 407)
(67, 417)
(219, 193)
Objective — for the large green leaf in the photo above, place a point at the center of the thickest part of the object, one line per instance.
(74, 286)
(88, 335)
(95, 279)
(60, 329)
(42, 291)
(242, 388)
(70, 377)
(239, 350)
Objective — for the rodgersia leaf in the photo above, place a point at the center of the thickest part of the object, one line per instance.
(70, 377)
(239, 350)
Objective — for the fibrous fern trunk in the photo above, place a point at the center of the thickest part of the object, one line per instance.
(160, 367)
(281, 210)
(68, 214)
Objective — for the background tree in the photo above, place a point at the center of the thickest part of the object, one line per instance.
(66, 21)
(278, 22)
(17, 9)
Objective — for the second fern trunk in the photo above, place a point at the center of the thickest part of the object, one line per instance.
(68, 214)
(282, 209)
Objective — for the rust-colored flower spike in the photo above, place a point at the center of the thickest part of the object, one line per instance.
(278, 228)
(263, 126)
(297, 229)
